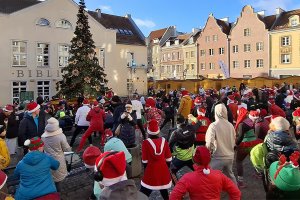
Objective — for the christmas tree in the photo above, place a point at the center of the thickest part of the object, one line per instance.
(83, 76)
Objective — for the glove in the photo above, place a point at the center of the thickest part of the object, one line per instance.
(129, 117)
(123, 116)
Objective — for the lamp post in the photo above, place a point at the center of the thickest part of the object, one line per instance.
(184, 74)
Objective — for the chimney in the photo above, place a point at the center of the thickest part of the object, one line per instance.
(195, 30)
(128, 15)
(261, 13)
(279, 11)
(98, 11)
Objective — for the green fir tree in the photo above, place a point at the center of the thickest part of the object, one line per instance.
(83, 76)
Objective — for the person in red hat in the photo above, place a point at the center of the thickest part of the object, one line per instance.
(204, 183)
(34, 172)
(296, 121)
(185, 104)
(156, 157)
(232, 105)
(11, 122)
(152, 112)
(275, 109)
(262, 125)
(96, 117)
(198, 103)
(81, 123)
(201, 131)
(110, 172)
(246, 139)
(32, 125)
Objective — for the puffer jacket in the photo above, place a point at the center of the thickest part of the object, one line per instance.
(282, 142)
(205, 187)
(4, 154)
(127, 134)
(185, 106)
(34, 173)
(122, 190)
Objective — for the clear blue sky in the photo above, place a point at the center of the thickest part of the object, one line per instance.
(151, 15)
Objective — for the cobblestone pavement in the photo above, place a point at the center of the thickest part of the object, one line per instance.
(79, 187)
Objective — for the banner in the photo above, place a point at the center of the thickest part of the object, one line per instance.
(224, 68)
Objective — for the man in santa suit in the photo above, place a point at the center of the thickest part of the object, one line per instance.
(274, 109)
(232, 105)
(198, 102)
(156, 157)
(296, 122)
(205, 122)
(152, 112)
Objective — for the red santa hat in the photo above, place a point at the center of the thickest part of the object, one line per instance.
(202, 157)
(95, 104)
(254, 114)
(3, 179)
(32, 107)
(150, 102)
(184, 93)
(86, 102)
(290, 92)
(242, 115)
(201, 111)
(231, 99)
(34, 143)
(8, 108)
(112, 166)
(263, 113)
(271, 101)
(90, 155)
(153, 128)
(276, 110)
(297, 96)
(198, 101)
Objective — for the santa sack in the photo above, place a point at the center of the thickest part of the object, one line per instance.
(257, 156)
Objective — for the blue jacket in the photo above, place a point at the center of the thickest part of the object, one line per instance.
(34, 172)
(115, 144)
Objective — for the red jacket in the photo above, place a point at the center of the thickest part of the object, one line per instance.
(234, 108)
(205, 187)
(96, 116)
(200, 133)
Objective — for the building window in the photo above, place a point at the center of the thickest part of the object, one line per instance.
(202, 66)
(235, 49)
(259, 46)
(192, 66)
(187, 67)
(294, 21)
(43, 89)
(63, 55)
(164, 57)
(63, 24)
(168, 69)
(42, 55)
(18, 87)
(207, 38)
(221, 50)
(202, 52)
(43, 22)
(215, 38)
(169, 56)
(192, 54)
(285, 58)
(247, 63)
(236, 64)
(101, 56)
(19, 54)
(286, 41)
(211, 52)
(179, 56)
(211, 66)
(180, 68)
(162, 69)
(187, 54)
(173, 56)
(259, 63)
(247, 47)
(247, 32)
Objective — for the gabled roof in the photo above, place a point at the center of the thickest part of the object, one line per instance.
(157, 34)
(283, 20)
(226, 26)
(11, 6)
(126, 32)
(269, 21)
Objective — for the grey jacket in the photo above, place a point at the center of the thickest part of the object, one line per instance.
(125, 190)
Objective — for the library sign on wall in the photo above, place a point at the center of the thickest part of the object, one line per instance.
(36, 73)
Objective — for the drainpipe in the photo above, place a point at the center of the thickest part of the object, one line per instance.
(228, 55)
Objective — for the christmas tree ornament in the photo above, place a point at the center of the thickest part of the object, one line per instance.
(87, 79)
(75, 72)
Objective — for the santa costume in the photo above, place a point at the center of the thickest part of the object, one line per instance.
(232, 105)
(152, 112)
(156, 156)
(205, 122)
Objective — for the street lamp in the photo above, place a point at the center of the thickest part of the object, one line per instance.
(184, 74)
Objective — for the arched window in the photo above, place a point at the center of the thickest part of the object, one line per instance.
(63, 24)
(43, 22)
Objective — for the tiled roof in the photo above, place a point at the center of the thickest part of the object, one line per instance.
(126, 32)
(183, 36)
(269, 21)
(157, 34)
(283, 20)
(10, 6)
(224, 25)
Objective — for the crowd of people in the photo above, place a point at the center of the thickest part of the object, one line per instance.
(209, 132)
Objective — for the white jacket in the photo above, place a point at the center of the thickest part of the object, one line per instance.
(80, 118)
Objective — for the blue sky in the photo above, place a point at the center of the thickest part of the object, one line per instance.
(151, 15)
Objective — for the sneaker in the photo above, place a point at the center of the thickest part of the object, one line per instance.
(241, 184)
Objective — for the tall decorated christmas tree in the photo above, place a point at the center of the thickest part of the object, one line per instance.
(83, 76)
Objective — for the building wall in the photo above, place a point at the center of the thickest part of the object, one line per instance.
(258, 33)
(212, 28)
(279, 69)
(156, 58)
(173, 68)
(190, 61)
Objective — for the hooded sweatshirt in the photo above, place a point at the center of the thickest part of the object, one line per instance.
(220, 135)
(34, 173)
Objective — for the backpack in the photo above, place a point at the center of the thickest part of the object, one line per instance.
(257, 156)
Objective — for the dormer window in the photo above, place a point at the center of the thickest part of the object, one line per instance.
(294, 20)
(168, 43)
(63, 24)
(176, 42)
(43, 22)
(155, 41)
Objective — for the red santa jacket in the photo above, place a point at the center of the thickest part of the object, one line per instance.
(96, 116)
(205, 187)
(200, 133)
(234, 108)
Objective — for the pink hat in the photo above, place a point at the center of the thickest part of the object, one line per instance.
(153, 128)
(32, 107)
(90, 155)
(8, 108)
